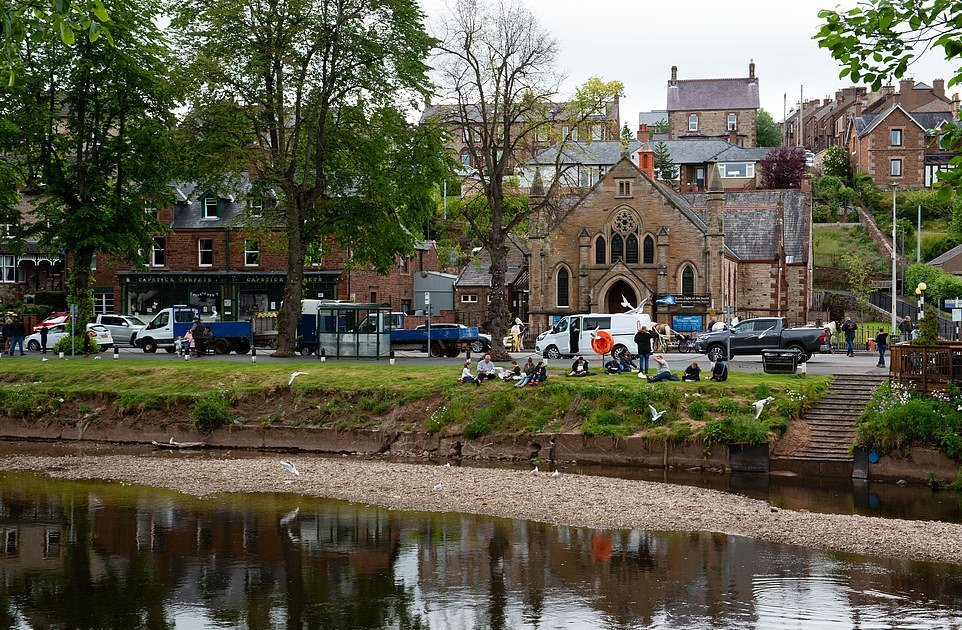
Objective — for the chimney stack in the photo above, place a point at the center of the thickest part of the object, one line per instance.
(751, 69)
(733, 137)
(938, 87)
(643, 134)
(906, 85)
(674, 75)
(888, 90)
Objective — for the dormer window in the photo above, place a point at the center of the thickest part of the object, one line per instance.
(256, 207)
(209, 210)
(692, 122)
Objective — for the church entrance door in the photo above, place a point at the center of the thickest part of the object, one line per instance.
(619, 292)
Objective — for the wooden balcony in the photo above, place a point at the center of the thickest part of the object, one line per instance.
(927, 368)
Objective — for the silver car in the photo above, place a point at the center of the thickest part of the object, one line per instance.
(123, 328)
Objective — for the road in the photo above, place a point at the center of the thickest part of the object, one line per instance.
(862, 363)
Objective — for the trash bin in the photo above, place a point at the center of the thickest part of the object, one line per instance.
(778, 361)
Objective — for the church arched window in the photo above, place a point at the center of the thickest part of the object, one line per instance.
(688, 280)
(631, 250)
(561, 288)
(649, 251)
(601, 250)
(617, 248)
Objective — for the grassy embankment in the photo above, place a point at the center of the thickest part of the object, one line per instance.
(417, 398)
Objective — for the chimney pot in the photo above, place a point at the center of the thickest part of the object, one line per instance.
(643, 134)
(674, 74)
(751, 68)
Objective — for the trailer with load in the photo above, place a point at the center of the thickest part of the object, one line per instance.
(173, 323)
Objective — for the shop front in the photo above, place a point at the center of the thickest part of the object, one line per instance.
(225, 295)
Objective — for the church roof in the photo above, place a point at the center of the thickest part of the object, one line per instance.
(477, 273)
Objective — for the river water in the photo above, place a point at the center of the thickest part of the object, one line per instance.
(107, 555)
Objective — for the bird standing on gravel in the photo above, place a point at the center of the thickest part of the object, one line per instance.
(655, 414)
(759, 405)
(535, 471)
(293, 376)
(291, 467)
(439, 486)
(556, 474)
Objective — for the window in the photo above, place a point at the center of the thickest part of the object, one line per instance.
(562, 287)
(732, 122)
(596, 323)
(574, 134)
(8, 268)
(737, 169)
(158, 253)
(466, 133)
(542, 134)
(932, 173)
(895, 168)
(256, 207)
(205, 252)
(210, 208)
(150, 210)
(252, 253)
(596, 133)
(692, 122)
(405, 306)
(469, 298)
(617, 248)
(648, 252)
(466, 160)
(104, 303)
(624, 188)
(600, 250)
(564, 132)
(402, 264)
(631, 250)
(688, 281)
(896, 137)
(373, 297)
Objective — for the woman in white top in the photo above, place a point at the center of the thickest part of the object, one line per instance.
(466, 376)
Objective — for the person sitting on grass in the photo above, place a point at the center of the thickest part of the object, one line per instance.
(719, 371)
(692, 373)
(540, 374)
(624, 360)
(486, 368)
(527, 374)
(612, 366)
(664, 372)
(466, 376)
(579, 367)
(513, 372)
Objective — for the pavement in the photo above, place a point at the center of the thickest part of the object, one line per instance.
(861, 363)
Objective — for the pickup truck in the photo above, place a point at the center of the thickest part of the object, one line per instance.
(175, 321)
(447, 340)
(751, 336)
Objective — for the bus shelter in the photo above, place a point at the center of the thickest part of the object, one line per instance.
(350, 330)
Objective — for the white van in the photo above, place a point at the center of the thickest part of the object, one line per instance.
(572, 334)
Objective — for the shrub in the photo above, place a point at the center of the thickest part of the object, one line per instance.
(210, 412)
(481, 424)
(735, 429)
(822, 214)
(897, 418)
(75, 345)
(827, 189)
(836, 163)
(679, 431)
(696, 410)
(605, 422)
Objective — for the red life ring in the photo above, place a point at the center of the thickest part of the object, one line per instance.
(602, 343)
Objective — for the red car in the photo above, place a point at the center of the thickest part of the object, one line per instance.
(53, 320)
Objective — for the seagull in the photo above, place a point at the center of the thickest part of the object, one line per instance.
(556, 474)
(534, 471)
(655, 414)
(291, 467)
(439, 486)
(96, 357)
(44, 359)
(760, 404)
(625, 303)
(288, 518)
(293, 376)
(448, 465)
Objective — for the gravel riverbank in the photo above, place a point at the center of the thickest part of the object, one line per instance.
(598, 502)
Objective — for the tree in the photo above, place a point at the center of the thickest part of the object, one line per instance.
(766, 130)
(665, 168)
(310, 96)
(837, 164)
(661, 126)
(626, 136)
(111, 148)
(879, 38)
(857, 271)
(783, 167)
(497, 67)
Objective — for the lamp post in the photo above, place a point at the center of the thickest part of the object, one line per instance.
(894, 260)
(920, 291)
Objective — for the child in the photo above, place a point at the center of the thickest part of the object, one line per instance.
(466, 376)
(692, 373)
(529, 370)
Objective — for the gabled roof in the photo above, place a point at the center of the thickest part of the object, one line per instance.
(697, 94)
(653, 117)
(947, 256)
(925, 120)
(477, 273)
(608, 152)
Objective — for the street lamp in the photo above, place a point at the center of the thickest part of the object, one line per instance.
(894, 259)
(920, 291)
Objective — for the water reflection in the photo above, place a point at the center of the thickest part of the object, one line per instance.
(92, 555)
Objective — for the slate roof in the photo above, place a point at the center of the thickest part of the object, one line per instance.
(947, 256)
(865, 123)
(596, 152)
(477, 273)
(653, 117)
(608, 152)
(695, 94)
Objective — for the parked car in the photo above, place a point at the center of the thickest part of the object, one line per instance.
(58, 331)
(751, 336)
(53, 320)
(123, 328)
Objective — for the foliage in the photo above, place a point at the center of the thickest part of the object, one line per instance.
(955, 222)
(665, 168)
(783, 167)
(936, 247)
(836, 163)
(822, 214)
(660, 127)
(857, 275)
(741, 428)
(940, 285)
(626, 136)
(74, 344)
(897, 418)
(210, 412)
(928, 328)
(766, 130)
(878, 39)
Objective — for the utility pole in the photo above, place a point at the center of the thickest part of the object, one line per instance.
(918, 236)
(894, 258)
(801, 109)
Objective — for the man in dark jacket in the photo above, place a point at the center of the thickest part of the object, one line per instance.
(17, 333)
(643, 341)
(849, 328)
(905, 328)
(44, 331)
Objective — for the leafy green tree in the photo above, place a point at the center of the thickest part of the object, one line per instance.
(311, 96)
(766, 130)
(880, 38)
(660, 127)
(665, 168)
(836, 163)
(90, 127)
(626, 136)
(497, 65)
(857, 271)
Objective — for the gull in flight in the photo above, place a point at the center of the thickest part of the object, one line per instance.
(293, 376)
(759, 405)
(655, 414)
(556, 474)
(439, 486)
(625, 303)
(291, 467)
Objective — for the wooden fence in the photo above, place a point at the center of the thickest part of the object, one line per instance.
(926, 368)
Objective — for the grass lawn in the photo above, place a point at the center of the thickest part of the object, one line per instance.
(830, 242)
(419, 398)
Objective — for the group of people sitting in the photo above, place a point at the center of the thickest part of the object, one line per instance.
(530, 374)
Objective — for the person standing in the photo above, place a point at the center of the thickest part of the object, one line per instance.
(44, 331)
(643, 341)
(905, 328)
(17, 333)
(881, 341)
(849, 328)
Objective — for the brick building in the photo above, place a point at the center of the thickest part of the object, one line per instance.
(713, 109)
(745, 253)
(210, 260)
(473, 286)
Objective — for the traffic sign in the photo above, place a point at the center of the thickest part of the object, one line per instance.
(957, 314)
(956, 303)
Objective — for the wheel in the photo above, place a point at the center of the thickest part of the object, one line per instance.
(306, 351)
(478, 346)
(552, 352)
(802, 355)
(149, 346)
(33, 345)
(452, 352)
(221, 346)
(685, 347)
(243, 347)
(104, 348)
(436, 350)
(617, 350)
(715, 353)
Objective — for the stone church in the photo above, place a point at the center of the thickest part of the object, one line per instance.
(630, 238)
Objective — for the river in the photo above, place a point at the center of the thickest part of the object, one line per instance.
(109, 555)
